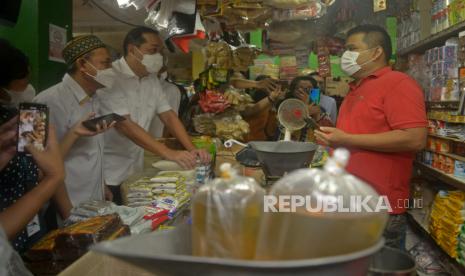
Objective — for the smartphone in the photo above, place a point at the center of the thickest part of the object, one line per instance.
(92, 123)
(314, 96)
(32, 126)
(312, 123)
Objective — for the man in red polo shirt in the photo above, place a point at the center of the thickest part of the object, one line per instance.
(382, 121)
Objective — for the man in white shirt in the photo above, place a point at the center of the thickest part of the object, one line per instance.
(173, 96)
(71, 101)
(137, 96)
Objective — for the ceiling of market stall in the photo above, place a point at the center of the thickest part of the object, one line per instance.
(105, 19)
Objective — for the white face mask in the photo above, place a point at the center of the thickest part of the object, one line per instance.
(153, 63)
(105, 77)
(21, 96)
(349, 62)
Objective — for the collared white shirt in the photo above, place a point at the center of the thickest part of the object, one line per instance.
(68, 104)
(173, 96)
(142, 99)
(330, 106)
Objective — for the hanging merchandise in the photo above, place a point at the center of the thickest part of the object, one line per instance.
(219, 54)
(324, 61)
(289, 4)
(245, 16)
(243, 57)
(238, 99)
(213, 102)
(312, 10)
(183, 41)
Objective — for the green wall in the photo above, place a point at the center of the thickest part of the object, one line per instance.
(59, 13)
(30, 34)
(25, 35)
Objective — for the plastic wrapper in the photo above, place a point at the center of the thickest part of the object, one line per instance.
(225, 216)
(310, 230)
(213, 102)
(289, 4)
(219, 54)
(61, 247)
(243, 57)
(238, 99)
(313, 10)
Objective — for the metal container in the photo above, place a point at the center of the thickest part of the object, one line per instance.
(392, 262)
(170, 253)
(279, 158)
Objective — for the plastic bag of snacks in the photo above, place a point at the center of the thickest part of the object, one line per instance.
(320, 214)
(225, 216)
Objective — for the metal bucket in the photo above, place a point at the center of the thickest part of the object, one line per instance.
(170, 253)
(279, 158)
(390, 261)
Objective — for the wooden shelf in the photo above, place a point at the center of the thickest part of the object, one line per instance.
(446, 178)
(446, 138)
(432, 41)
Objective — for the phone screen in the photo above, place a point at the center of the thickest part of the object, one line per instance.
(314, 95)
(32, 126)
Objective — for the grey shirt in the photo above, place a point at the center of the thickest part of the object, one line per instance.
(11, 263)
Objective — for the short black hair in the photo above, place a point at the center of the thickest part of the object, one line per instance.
(136, 37)
(375, 36)
(296, 81)
(15, 63)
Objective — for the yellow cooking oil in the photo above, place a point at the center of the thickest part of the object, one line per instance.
(305, 235)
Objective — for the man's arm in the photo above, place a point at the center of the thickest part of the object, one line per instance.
(404, 140)
(176, 128)
(141, 138)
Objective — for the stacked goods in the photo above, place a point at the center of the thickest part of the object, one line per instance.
(157, 191)
(447, 218)
(228, 125)
(461, 247)
(444, 73)
(238, 99)
(61, 247)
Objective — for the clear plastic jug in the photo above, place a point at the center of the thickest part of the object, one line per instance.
(317, 229)
(226, 214)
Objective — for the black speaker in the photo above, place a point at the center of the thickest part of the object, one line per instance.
(9, 11)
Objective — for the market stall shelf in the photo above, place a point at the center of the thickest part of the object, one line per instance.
(433, 40)
(415, 219)
(446, 138)
(446, 178)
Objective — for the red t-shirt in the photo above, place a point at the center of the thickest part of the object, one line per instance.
(384, 101)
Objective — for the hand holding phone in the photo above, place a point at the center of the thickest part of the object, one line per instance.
(102, 123)
(314, 96)
(32, 126)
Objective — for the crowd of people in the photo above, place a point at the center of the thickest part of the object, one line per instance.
(382, 121)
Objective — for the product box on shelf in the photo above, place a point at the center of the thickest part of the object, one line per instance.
(459, 170)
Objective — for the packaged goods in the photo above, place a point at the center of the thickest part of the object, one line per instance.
(459, 170)
(225, 216)
(311, 231)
